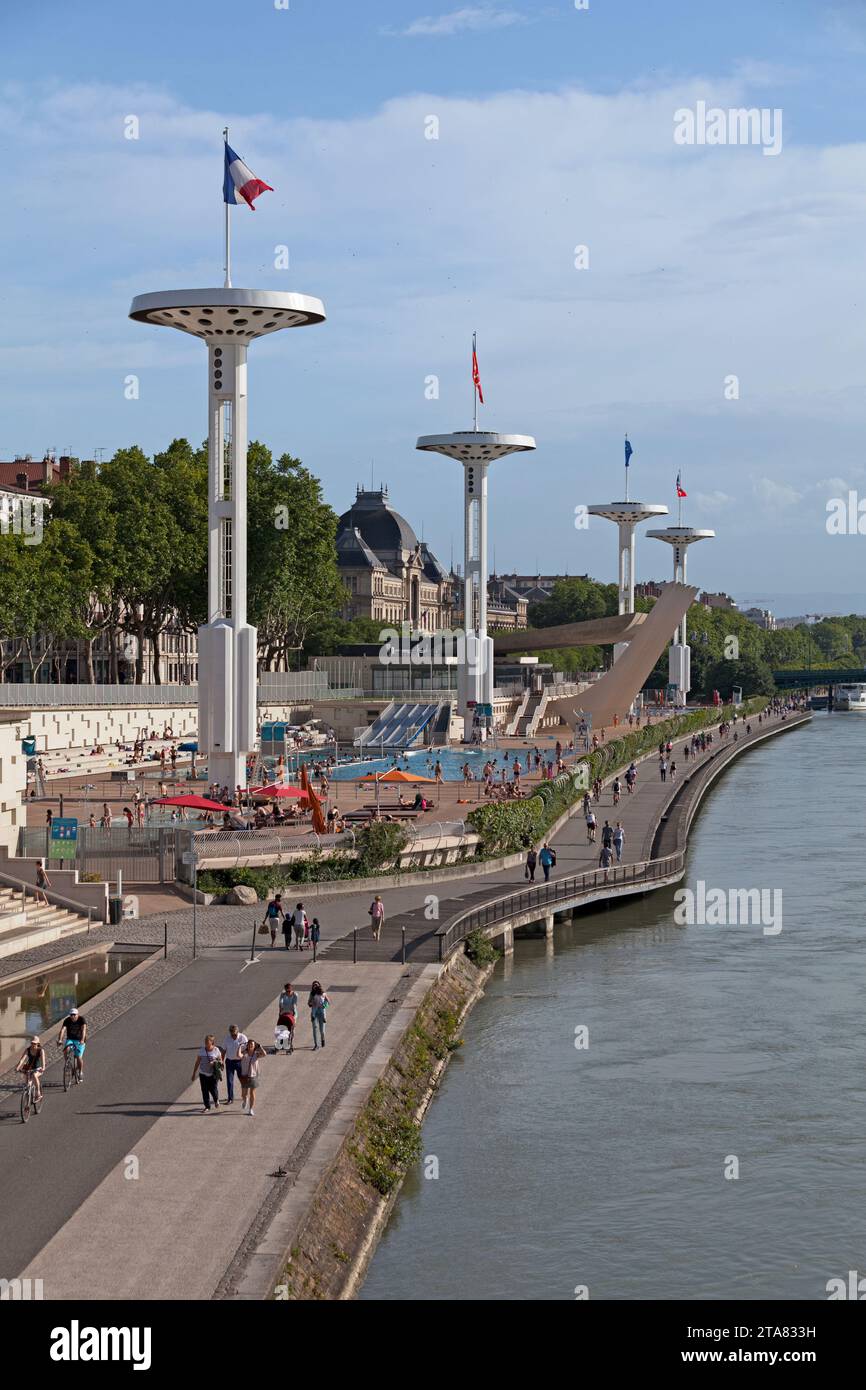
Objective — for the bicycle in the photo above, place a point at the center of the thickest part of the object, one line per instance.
(71, 1068)
(31, 1100)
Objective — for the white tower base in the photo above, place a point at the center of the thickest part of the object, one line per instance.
(680, 670)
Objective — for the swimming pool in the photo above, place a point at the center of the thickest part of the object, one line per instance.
(423, 761)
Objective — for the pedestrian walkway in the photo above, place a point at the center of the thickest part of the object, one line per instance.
(140, 1193)
(420, 911)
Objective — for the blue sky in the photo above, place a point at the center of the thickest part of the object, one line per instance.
(555, 130)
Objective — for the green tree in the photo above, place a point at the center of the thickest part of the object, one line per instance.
(750, 673)
(160, 508)
(575, 601)
(83, 504)
(294, 584)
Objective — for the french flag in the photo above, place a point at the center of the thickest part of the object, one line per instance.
(240, 184)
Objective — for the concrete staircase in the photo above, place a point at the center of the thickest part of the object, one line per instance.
(514, 723)
(24, 923)
(531, 716)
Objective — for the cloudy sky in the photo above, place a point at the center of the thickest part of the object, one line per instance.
(555, 131)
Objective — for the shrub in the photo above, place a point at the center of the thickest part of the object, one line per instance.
(480, 950)
(378, 844)
(506, 826)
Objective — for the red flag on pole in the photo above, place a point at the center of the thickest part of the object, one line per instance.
(681, 492)
(475, 375)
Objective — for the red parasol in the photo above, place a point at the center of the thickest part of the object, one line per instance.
(275, 792)
(191, 803)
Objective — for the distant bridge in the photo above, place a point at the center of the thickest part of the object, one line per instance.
(818, 676)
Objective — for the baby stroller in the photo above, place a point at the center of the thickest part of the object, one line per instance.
(284, 1033)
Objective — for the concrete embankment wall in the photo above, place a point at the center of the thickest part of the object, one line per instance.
(84, 726)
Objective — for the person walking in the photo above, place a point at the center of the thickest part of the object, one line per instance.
(547, 860)
(607, 835)
(208, 1066)
(299, 921)
(618, 841)
(273, 914)
(42, 882)
(531, 861)
(249, 1074)
(233, 1045)
(663, 769)
(318, 1003)
(315, 933)
(673, 770)
(617, 788)
(288, 1004)
(376, 913)
(605, 858)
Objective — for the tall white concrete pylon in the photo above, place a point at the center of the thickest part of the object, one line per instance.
(476, 450)
(227, 320)
(679, 654)
(627, 516)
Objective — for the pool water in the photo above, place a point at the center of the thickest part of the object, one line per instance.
(423, 761)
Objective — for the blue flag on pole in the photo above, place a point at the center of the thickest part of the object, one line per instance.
(628, 452)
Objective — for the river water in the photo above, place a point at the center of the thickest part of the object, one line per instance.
(711, 1049)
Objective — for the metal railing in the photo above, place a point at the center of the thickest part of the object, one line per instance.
(548, 895)
(39, 695)
(57, 899)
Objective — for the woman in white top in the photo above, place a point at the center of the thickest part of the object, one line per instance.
(250, 1074)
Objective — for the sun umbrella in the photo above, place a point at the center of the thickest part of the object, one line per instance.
(395, 774)
(273, 793)
(190, 802)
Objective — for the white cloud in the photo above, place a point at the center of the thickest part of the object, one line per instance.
(472, 19)
(703, 262)
(715, 501)
(775, 494)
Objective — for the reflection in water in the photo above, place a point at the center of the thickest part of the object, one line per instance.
(605, 1167)
(32, 1005)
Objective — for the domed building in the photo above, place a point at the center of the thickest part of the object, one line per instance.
(390, 575)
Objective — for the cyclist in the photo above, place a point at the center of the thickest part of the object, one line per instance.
(73, 1034)
(32, 1063)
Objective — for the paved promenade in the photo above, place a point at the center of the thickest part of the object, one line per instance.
(201, 1178)
(173, 1229)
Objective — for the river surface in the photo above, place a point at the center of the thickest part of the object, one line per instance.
(605, 1167)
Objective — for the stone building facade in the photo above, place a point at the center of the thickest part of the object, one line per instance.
(390, 576)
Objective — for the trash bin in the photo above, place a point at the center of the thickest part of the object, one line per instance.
(115, 910)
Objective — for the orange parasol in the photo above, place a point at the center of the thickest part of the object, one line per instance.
(395, 774)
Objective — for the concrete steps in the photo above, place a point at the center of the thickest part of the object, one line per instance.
(25, 924)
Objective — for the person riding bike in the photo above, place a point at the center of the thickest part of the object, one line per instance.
(73, 1036)
(32, 1063)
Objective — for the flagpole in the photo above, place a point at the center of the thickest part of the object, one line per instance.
(474, 386)
(228, 265)
(626, 472)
